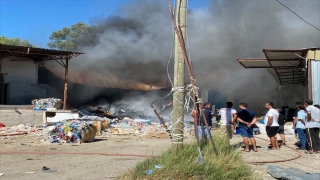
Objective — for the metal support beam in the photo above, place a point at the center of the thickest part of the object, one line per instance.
(66, 84)
(309, 79)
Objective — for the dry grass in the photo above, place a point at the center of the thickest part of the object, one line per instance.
(183, 165)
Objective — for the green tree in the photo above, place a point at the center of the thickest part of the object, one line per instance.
(14, 41)
(71, 39)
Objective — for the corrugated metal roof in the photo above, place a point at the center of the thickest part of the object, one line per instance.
(109, 80)
(33, 52)
(287, 66)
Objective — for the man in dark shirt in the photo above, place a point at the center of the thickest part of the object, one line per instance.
(246, 118)
(281, 122)
(208, 114)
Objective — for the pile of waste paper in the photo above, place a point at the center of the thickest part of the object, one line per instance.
(44, 104)
(72, 131)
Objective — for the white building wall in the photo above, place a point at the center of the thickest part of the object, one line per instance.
(19, 70)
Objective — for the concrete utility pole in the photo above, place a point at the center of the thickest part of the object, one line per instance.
(178, 96)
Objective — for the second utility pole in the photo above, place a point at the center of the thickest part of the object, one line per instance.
(178, 83)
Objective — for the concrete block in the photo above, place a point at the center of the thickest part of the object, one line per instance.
(14, 117)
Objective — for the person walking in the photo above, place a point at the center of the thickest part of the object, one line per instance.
(281, 122)
(272, 126)
(247, 118)
(312, 125)
(300, 125)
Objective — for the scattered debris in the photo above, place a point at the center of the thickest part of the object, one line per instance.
(46, 169)
(291, 173)
(44, 104)
(17, 111)
(148, 172)
(30, 172)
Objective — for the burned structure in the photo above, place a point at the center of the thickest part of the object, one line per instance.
(296, 72)
(19, 67)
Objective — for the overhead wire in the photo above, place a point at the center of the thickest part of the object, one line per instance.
(297, 15)
(224, 19)
(244, 34)
(245, 44)
(245, 25)
(222, 16)
(168, 63)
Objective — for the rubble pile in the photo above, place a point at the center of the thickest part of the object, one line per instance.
(72, 131)
(144, 128)
(44, 104)
(87, 127)
(21, 129)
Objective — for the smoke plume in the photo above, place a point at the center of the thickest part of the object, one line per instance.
(135, 44)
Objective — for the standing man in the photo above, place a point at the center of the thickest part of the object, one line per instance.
(208, 114)
(246, 118)
(295, 118)
(272, 126)
(312, 125)
(286, 112)
(299, 124)
(226, 117)
(281, 122)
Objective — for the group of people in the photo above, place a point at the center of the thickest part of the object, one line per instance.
(228, 116)
(306, 124)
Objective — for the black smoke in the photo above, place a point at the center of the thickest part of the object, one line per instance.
(135, 44)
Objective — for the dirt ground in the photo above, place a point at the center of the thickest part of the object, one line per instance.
(15, 164)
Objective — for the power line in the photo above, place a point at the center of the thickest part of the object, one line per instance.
(222, 16)
(244, 42)
(245, 24)
(297, 15)
(244, 34)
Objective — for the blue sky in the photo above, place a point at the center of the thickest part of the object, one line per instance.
(35, 20)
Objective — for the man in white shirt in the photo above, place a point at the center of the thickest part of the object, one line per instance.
(226, 117)
(272, 125)
(312, 125)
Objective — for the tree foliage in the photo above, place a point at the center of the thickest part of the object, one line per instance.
(15, 41)
(73, 38)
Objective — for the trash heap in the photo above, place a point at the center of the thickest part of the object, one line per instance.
(44, 104)
(72, 131)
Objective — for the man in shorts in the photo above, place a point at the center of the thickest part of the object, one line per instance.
(227, 114)
(281, 122)
(272, 126)
(246, 118)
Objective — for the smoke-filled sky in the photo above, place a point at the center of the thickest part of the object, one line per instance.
(136, 42)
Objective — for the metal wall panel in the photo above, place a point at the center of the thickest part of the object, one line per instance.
(20, 70)
(315, 69)
(23, 94)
